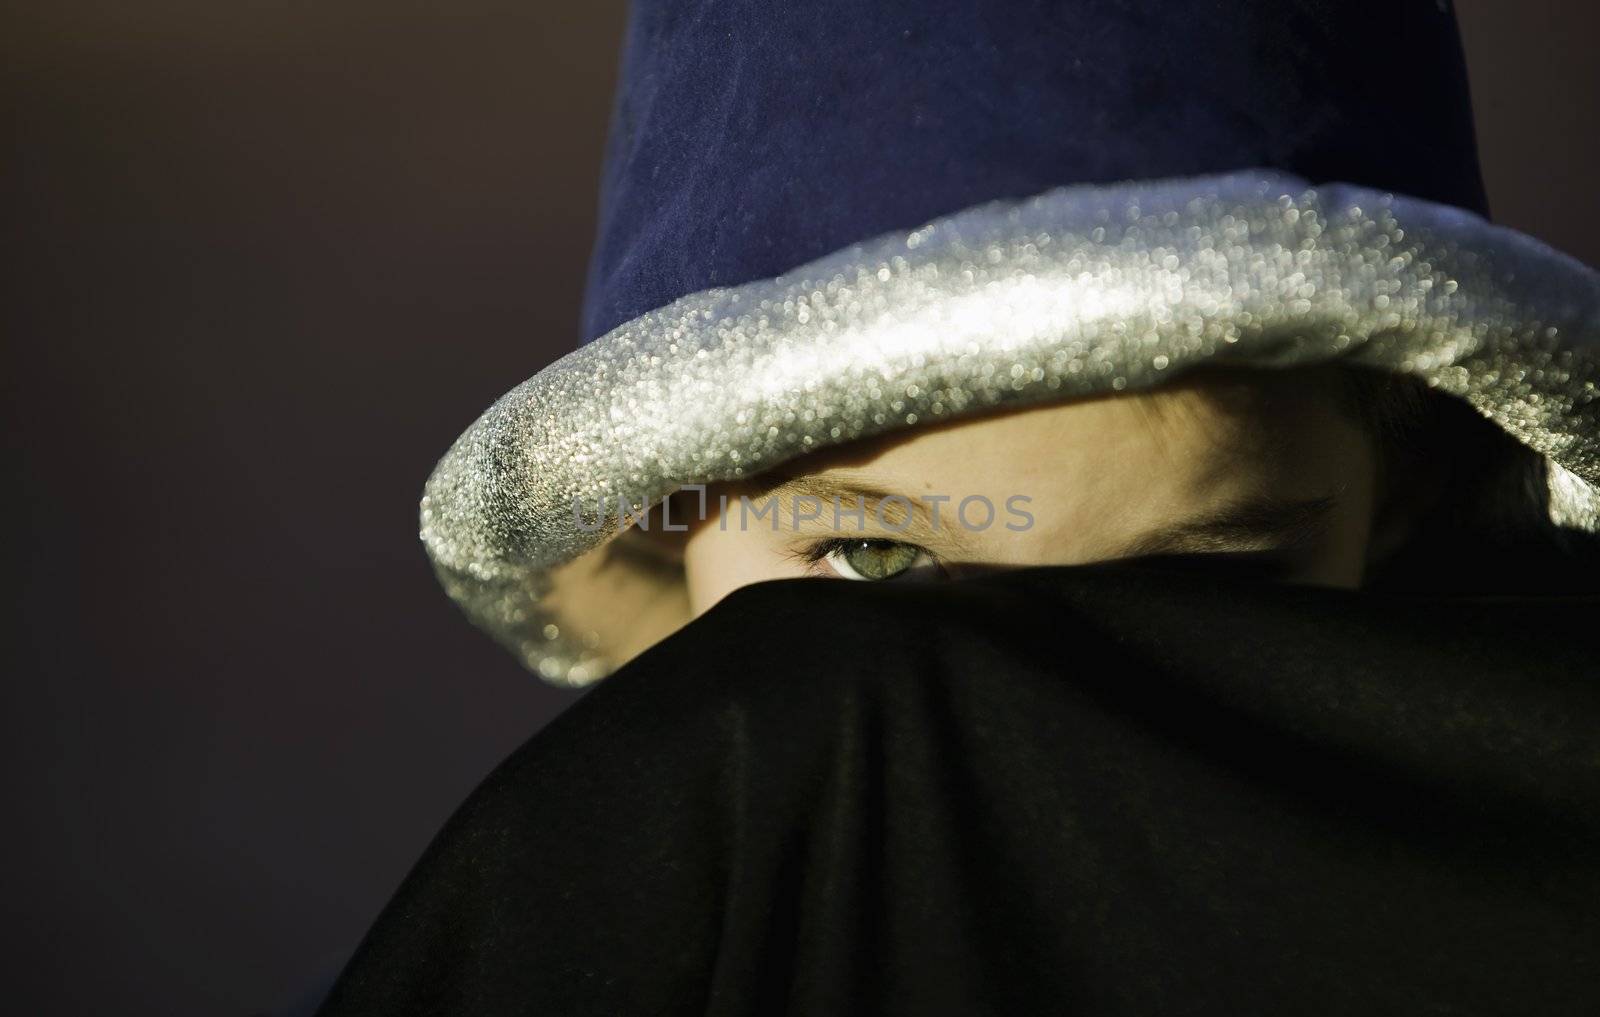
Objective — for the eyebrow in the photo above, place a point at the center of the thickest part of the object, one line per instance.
(921, 526)
(1249, 521)
(1242, 525)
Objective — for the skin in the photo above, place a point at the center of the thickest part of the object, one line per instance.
(1258, 473)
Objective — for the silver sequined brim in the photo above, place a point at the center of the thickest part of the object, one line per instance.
(1079, 291)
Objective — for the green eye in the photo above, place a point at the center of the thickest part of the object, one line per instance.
(874, 560)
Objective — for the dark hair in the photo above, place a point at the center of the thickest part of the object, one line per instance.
(1488, 482)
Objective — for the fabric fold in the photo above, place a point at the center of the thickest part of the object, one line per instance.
(1108, 789)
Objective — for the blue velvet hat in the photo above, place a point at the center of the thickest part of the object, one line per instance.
(750, 138)
(822, 220)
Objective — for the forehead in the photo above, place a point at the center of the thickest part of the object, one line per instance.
(1197, 420)
(1099, 472)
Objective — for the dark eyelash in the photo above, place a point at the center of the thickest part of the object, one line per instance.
(1264, 565)
(814, 553)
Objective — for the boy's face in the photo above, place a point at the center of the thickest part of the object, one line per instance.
(1257, 472)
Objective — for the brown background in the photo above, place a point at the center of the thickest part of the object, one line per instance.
(268, 259)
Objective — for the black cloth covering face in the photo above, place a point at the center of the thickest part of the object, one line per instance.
(1073, 790)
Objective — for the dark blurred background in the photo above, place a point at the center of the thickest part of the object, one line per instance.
(267, 260)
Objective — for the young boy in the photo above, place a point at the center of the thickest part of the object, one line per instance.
(1151, 372)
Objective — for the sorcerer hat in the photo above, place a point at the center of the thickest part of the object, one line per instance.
(826, 220)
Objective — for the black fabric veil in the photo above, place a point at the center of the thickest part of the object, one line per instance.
(1111, 789)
